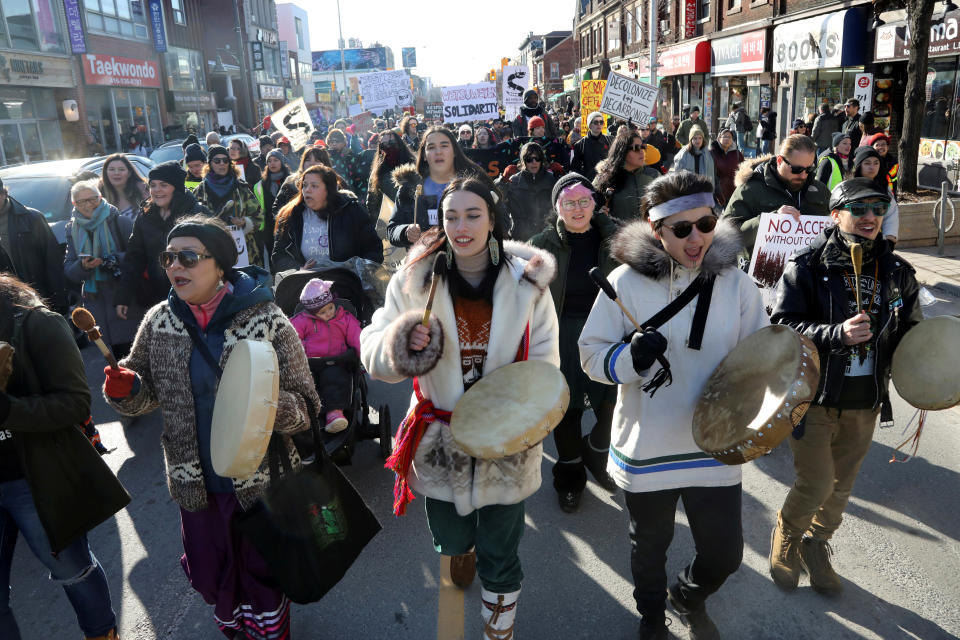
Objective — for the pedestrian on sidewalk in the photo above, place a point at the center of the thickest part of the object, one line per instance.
(653, 456)
(867, 163)
(816, 296)
(493, 298)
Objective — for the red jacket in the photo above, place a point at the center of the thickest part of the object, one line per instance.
(327, 339)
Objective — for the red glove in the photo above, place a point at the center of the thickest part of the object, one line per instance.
(119, 382)
(510, 170)
(556, 169)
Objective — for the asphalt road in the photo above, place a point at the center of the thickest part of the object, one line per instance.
(897, 550)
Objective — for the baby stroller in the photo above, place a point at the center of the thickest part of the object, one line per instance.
(349, 293)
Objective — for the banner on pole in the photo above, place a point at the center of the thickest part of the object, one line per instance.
(382, 90)
(591, 91)
(294, 121)
(779, 236)
(469, 102)
(515, 80)
(628, 99)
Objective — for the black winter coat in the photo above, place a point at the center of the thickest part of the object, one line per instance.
(350, 232)
(587, 152)
(35, 253)
(148, 239)
(812, 299)
(528, 201)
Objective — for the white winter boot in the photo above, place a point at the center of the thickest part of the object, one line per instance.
(498, 611)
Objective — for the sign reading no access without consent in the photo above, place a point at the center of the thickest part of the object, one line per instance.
(626, 98)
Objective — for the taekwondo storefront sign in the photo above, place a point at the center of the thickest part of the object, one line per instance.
(628, 98)
(468, 102)
(382, 90)
(112, 71)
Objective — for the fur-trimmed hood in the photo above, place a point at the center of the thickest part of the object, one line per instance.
(526, 262)
(636, 246)
(405, 174)
(749, 167)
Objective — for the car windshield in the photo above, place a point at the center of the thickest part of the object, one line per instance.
(164, 154)
(47, 194)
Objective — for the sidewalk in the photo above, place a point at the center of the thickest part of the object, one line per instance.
(939, 274)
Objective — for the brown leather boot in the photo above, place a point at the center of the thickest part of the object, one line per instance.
(785, 563)
(463, 569)
(815, 555)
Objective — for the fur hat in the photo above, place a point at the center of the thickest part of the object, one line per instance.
(316, 294)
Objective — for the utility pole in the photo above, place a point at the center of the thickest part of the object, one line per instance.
(243, 62)
(343, 64)
(652, 28)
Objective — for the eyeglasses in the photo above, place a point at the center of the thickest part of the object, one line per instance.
(532, 159)
(219, 160)
(795, 170)
(87, 201)
(573, 205)
(682, 229)
(860, 209)
(187, 258)
(637, 147)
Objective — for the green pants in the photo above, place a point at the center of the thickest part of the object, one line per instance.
(495, 531)
(827, 459)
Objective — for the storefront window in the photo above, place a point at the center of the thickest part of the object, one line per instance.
(31, 141)
(24, 114)
(123, 17)
(12, 150)
(184, 69)
(940, 82)
(818, 86)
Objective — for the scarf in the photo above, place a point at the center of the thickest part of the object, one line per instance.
(275, 180)
(220, 185)
(91, 236)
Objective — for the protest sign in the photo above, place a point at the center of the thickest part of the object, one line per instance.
(382, 90)
(779, 236)
(627, 98)
(591, 91)
(392, 256)
(433, 111)
(515, 82)
(468, 102)
(294, 121)
(364, 123)
(243, 259)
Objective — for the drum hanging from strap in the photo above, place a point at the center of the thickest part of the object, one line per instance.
(757, 395)
(510, 409)
(924, 366)
(245, 409)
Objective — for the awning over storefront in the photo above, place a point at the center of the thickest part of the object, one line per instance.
(824, 42)
(893, 40)
(689, 58)
(741, 54)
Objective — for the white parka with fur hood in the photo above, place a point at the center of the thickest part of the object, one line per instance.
(521, 297)
(651, 446)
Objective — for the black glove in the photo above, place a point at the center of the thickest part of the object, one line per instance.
(645, 347)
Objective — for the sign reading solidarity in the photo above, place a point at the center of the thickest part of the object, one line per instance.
(779, 236)
(382, 90)
(591, 92)
(628, 98)
(468, 102)
(294, 121)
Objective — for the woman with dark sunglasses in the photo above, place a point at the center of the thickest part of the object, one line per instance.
(210, 306)
(653, 457)
(527, 193)
(623, 171)
(391, 153)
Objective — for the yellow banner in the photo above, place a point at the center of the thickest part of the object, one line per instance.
(591, 91)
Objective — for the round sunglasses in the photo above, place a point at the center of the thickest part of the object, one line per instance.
(682, 229)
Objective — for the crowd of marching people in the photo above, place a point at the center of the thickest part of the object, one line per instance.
(518, 212)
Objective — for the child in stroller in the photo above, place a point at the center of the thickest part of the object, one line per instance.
(327, 331)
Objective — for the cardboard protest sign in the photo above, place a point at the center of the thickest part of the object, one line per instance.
(468, 102)
(243, 259)
(779, 236)
(433, 111)
(364, 123)
(382, 90)
(515, 82)
(294, 121)
(591, 92)
(392, 256)
(627, 98)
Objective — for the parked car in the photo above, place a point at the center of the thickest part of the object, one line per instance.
(45, 186)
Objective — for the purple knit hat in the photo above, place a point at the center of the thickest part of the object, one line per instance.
(316, 294)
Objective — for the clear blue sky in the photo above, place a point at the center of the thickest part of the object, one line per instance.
(457, 42)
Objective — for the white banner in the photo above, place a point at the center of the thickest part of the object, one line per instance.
(863, 90)
(470, 102)
(294, 121)
(515, 80)
(382, 90)
(627, 98)
(779, 236)
(243, 260)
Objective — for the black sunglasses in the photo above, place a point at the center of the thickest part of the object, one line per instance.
(186, 258)
(637, 147)
(532, 159)
(795, 170)
(219, 160)
(682, 229)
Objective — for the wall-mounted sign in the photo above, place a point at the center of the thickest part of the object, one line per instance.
(25, 69)
(893, 40)
(271, 92)
(99, 69)
(256, 52)
(191, 101)
(157, 29)
(691, 58)
(831, 40)
(739, 54)
(78, 43)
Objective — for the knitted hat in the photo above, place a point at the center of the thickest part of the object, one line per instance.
(594, 114)
(215, 238)
(170, 172)
(265, 140)
(316, 294)
(275, 153)
(194, 152)
(567, 180)
(191, 139)
(534, 122)
(861, 154)
(837, 138)
(216, 150)
(879, 135)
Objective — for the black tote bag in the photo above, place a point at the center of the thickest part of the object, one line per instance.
(309, 525)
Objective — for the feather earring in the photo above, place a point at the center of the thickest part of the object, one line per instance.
(494, 250)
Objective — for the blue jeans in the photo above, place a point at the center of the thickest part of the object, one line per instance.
(742, 140)
(766, 146)
(75, 568)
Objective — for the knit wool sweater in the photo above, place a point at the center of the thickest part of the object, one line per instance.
(161, 358)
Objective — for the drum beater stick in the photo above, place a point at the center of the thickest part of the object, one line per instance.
(856, 257)
(605, 286)
(439, 263)
(88, 324)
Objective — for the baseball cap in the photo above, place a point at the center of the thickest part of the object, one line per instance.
(855, 189)
(652, 120)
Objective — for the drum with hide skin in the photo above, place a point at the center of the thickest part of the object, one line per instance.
(245, 409)
(757, 395)
(510, 409)
(924, 367)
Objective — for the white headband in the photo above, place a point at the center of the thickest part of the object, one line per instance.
(683, 203)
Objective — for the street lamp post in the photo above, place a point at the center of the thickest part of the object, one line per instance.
(343, 64)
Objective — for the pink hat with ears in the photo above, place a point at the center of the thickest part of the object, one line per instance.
(316, 294)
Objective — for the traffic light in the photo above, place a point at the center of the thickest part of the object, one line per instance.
(504, 62)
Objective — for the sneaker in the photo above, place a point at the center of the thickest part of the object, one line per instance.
(785, 564)
(335, 422)
(569, 500)
(815, 555)
(463, 569)
(698, 623)
(654, 631)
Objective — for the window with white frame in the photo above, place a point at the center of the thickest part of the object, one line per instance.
(554, 70)
(298, 25)
(179, 17)
(118, 17)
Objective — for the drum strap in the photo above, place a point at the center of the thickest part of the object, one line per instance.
(703, 286)
(204, 350)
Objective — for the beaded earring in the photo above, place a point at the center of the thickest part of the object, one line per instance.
(494, 250)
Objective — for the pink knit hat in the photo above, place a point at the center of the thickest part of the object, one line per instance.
(316, 294)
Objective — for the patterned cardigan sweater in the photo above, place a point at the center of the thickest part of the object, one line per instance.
(161, 358)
